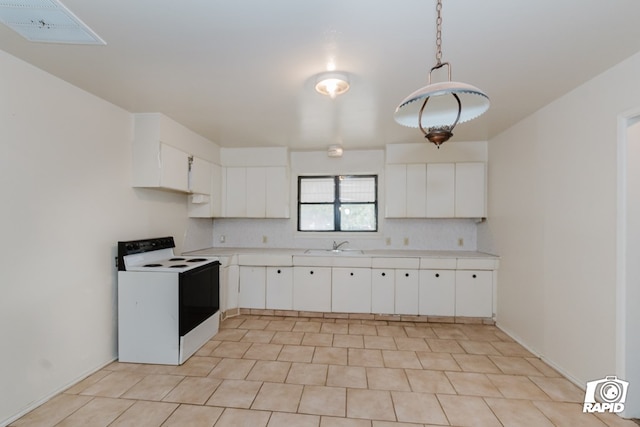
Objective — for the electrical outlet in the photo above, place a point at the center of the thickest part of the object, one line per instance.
(460, 241)
(387, 241)
(406, 241)
(223, 238)
(264, 239)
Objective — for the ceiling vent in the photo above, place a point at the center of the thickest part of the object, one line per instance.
(47, 21)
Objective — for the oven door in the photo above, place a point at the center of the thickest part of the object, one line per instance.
(199, 296)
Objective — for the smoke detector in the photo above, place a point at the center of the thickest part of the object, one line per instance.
(47, 21)
(334, 151)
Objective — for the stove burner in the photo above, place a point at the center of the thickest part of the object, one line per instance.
(176, 259)
(179, 266)
(196, 259)
(152, 265)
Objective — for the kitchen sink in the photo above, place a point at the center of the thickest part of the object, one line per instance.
(334, 252)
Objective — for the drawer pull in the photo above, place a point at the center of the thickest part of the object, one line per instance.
(474, 276)
(437, 274)
(406, 274)
(351, 274)
(384, 274)
(311, 272)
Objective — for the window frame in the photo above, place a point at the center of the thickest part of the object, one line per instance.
(337, 204)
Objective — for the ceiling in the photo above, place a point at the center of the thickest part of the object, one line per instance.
(241, 72)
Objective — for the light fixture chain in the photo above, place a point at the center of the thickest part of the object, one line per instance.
(439, 33)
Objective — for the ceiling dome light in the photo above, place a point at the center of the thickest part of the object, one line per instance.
(449, 103)
(332, 84)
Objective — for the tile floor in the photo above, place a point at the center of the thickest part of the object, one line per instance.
(298, 372)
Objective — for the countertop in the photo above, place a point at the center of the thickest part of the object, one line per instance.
(374, 253)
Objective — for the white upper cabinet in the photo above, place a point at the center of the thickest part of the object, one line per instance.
(440, 190)
(235, 192)
(395, 191)
(207, 204)
(173, 168)
(416, 191)
(470, 190)
(200, 176)
(257, 192)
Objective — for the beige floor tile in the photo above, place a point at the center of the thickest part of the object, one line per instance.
(294, 338)
(419, 332)
(360, 329)
(411, 344)
(352, 341)
(380, 343)
(113, 385)
(153, 387)
(282, 419)
(207, 348)
(387, 379)
(235, 394)
(484, 333)
(258, 336)
(254, 323)
(193, 416)
(193, 390)
(437, 361)
(307, 374)
(559, 389)
(53, 411)
(347, 376)
(446, 332)
(472, 384)
(476, 363)
(541, 366)
(394, 424)
(317, 339)
(512, 349)
(391, 331)
(319, 400)
(370, 404)
(517, 413)
(330, 355)
(231, 349)
(517, 387)
(479, 347)
(280, 325)
(444, 346)
(278, 397)
(260, 351)
(89, 381)
(232, 322)
(313, 327)
(296, 353)
(468, 411)
(564, 414)
(272, 371)
(418, 408)
(365, 357)
(99, 412)
(145, 414)
(426, 381)
(343, 422)
(197, 366)
(243, 418)
(230, 334)
(401, 359)
(514, 365)
(334, 328)
(232, 369)
(614, 420)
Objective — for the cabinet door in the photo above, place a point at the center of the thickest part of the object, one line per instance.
(351, 290)
(216, 190)
(470, 190)
(474, 293)
(395, 194)
(277, 192)
(440, 190)
(252, 287)
(232, 283)
(256, 192)
(236, 192)
(174, 172)
(437, 292)
(416, 191)
(382, 291)
(407, 283)
(200, 176)
(312, 288)
(279, 288)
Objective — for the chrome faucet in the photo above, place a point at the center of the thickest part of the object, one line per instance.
(336, 246)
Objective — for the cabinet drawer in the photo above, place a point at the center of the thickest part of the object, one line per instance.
(406, 263)
(477, 264)
(438, 263)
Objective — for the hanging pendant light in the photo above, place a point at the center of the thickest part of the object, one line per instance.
(437, 108)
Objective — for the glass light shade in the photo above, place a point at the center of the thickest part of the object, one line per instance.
(332, 84)
(442, 108)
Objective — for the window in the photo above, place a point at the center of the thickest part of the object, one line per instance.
(338, 203)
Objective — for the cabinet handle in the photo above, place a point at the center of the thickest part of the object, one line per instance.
(279, 271)
(437, 274)
(311, 272)
(351, 274)
(384, 274)
(474, 276)
(406, 274)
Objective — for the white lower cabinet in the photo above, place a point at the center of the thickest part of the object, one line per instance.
(312, 288)
(437, 292)
(252, 287)
(279, 292)
(351, 290)
(474, 293)
(382, 291)
(406, 291)
(232, 283)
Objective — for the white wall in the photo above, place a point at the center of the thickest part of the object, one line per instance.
(65, 166)
(552, 218)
